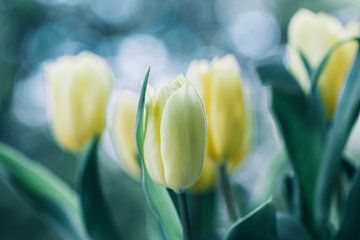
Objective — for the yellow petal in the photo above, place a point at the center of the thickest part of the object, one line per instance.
(208, 177)
(155, 104)
(334, 75)
(227, 118)
(200, 75)
(152, 155)
(123, 131)
(244, 146)
(60, 113)
(183, 134)
(336, 70)
(79, 88)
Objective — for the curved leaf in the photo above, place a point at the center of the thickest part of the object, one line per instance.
(55, 202)
(306, 63)
(276, 173)
(272, 72)
(346, 113)
(96, 213)
(260, 224)
(157, 196)
(302, 123)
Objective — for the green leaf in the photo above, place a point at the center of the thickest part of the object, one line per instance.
(306, 63)
(349, 228)
(302, 123)
(260, 224)
(346, 112)
(272, 72)
(96, 213)
(290, 229)
(55, 202)
(157, 196)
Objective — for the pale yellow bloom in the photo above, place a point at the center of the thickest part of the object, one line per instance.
(122, 131)
(314, 34)
(175, 135)
(79, 88)
(229, 126)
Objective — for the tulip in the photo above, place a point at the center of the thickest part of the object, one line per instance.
(313, 34)
(229, 128)
(79, 88)
(122, 133)
(175, 135)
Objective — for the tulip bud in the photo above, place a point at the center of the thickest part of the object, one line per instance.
(79, 88)
(229, 127)
(122, 131)
(175, 135)
(313, 34)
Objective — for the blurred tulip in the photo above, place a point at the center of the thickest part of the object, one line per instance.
(79, 88)
(229, 126)
(313, 34)
(175, 135)
(122, 131)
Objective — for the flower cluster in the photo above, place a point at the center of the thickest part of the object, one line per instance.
(192, 132)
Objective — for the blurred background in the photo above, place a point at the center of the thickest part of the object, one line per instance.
(132, 35)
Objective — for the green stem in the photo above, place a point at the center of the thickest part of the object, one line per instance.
(184, 213)
(227, 193)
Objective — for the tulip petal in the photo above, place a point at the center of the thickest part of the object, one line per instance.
(334, 74)
(80, 87)
(183, 133)
(207, 179)
(227, 118)
(59, 110)
(199, 73)
(91, 86)
(152, 155)
(154, 110)
(122, 131)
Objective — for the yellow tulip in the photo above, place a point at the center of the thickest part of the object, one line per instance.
(314, 34)
(229, 126)
(175, 135)
(122, 131)
(79, 88)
